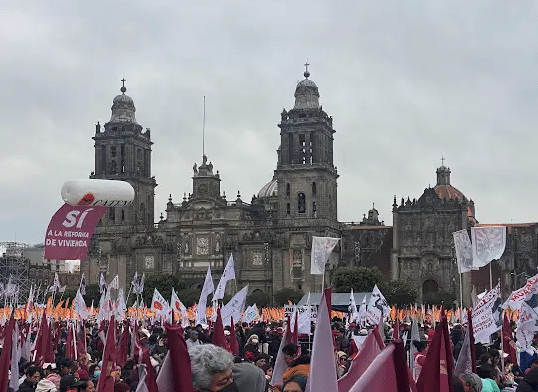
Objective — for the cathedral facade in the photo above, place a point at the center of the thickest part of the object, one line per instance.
(269, 237)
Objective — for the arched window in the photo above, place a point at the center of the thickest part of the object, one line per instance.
(301, 203)
(122, 215)
(313, 208)
(288, 210)
(314, 188)
(112, 214)
(288, 191)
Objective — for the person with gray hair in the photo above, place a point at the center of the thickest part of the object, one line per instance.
(471, 382)
(212, 369)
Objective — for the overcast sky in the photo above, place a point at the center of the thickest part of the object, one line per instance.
(406, 82)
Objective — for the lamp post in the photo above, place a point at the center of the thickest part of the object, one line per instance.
(515, 278)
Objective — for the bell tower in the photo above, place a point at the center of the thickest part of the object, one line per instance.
(305, 171)
(123, 152)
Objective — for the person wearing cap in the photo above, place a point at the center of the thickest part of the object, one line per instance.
(193, 340)
(51, 381)
(251, 348)
(70, 383)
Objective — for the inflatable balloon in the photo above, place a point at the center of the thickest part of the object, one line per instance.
(109, 193)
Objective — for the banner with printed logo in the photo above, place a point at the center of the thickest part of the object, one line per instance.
(70, 231)
(517, 297)
(487, 315)
(464, 251)
(488, 244)
(251, 314)
(235, 307)
(321, 250)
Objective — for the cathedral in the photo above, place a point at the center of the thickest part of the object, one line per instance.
(270, 237)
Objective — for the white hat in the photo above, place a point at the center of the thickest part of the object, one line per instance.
(48, 365)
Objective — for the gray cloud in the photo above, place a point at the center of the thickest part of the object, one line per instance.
(406, 83)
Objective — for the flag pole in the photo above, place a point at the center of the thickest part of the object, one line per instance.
(461, 292)
(490, 277)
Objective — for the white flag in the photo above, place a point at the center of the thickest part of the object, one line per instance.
(121, 307)
(208, 288)
(228, 274)
(251, 314)
(464, 252)
(527, 324)
(517, 297)
(178, 307)
(115, 284)
(140, 285)
(352, 311)
(82, 286)
(304, 314)
(361, 314)
(158, 304)
(102, 283)
(378, 308)
(235, 307)
(80, 306)
(488, 244)
(487, 315)
(321, 249)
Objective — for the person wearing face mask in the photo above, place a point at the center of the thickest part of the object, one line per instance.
(212, 369)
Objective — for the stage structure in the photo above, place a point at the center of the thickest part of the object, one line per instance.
(14, 264)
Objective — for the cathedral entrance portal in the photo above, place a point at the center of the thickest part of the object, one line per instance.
(430, 286)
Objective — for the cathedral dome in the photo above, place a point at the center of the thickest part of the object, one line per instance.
(123, 109)
(269, 190)
(443, 188)
(449, 192)
(306, 94)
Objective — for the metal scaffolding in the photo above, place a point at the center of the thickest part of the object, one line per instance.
(15, 265)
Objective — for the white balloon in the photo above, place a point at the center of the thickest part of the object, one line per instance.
(110, 193)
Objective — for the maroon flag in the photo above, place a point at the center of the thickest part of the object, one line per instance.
(436, 374)
(322, 376)
(70, 230)
(388, 372)
(151, 378)
(81, 341)
(123, 347)
(234, 345)
(69, 343)
(471, 340)
(508, 343)
(369, 350)
(295, 333)
(106, 380)
(5, 358)
(181, 374)
(41, 340)
(218, 332)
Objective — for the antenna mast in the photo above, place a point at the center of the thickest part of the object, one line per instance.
(203, 132)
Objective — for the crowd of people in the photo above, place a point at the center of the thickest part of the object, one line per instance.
(250, 368)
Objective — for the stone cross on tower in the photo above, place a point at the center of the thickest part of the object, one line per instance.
(306, 73)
